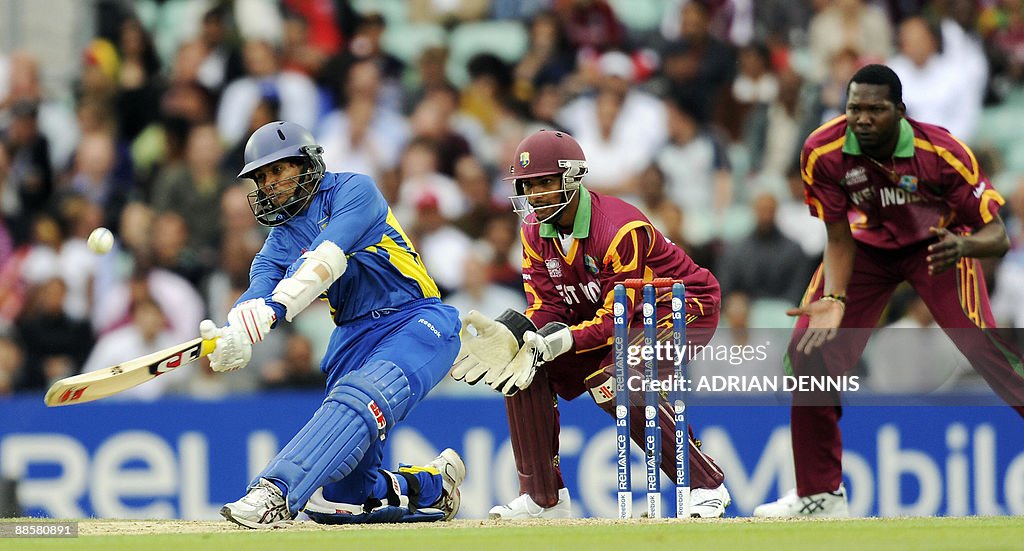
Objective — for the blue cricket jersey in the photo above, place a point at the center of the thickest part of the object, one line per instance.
(384, 270)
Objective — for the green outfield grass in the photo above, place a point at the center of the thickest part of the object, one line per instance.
(862, 534)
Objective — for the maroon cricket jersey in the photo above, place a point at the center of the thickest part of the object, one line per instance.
(612, 241)
(932, 180)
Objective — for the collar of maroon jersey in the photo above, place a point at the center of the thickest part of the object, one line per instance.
(904, 145)
(580, 226)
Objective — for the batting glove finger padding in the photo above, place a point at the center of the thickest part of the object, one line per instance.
(254, 317)
(233, 350)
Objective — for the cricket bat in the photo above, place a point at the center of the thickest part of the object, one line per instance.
(108, 381)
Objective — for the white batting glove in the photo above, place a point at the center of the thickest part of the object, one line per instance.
(233, 350)
(253, 317)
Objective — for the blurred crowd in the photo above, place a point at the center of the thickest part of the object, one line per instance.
(695, 110)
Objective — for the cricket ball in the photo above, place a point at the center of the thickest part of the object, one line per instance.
(101, 240)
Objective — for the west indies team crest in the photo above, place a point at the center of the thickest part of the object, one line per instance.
(907, 183)
(590, 264)
(524, 159)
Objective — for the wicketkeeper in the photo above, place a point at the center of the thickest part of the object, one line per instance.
(577, 244)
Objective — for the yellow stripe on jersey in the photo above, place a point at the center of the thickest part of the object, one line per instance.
(817, 207)
(404, 257)
(986, 197)
(813, 286)
(817, 152)
(571, 256)
(537, 302)
(699, 307)
(970, 175)
(529, 255)
(604, 310)
(860, 222)
(609, 301)
(393, 223)
(612, 255)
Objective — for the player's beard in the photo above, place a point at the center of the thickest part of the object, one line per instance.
(557, 210)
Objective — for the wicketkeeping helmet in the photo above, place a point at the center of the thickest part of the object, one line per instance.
(274, 142)
(545, 153)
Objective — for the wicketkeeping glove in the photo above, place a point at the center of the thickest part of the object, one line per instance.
(489, 345)
(551, 341)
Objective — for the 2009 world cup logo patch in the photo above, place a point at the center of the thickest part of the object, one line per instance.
(554, 267)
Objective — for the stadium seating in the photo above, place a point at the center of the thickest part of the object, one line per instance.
(505, 39)
(406, 41)
(638, 16)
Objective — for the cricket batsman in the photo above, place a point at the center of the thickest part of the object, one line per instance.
(333, 236)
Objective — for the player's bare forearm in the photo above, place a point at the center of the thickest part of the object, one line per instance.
(826, 314)
(989, 240)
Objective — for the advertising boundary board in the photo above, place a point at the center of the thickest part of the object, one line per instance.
(184, 458)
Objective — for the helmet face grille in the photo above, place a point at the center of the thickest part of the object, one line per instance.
(521, 206)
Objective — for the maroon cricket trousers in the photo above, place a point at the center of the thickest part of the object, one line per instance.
(957, 299)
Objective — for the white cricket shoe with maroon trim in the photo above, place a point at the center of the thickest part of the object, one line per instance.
(263, 506)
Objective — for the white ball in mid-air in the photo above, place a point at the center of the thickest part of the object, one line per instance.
(101, 240)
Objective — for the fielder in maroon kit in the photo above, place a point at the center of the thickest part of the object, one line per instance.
(901, 200)
(577, 244)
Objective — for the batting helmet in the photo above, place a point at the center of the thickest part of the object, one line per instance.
(273, 204)
(544, 153)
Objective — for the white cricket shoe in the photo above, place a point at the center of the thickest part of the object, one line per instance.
(263, 507)
(524, 507)
(709, 502)
(823, 505)
(453, 472)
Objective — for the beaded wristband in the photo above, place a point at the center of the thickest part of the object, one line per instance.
(841, 299)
